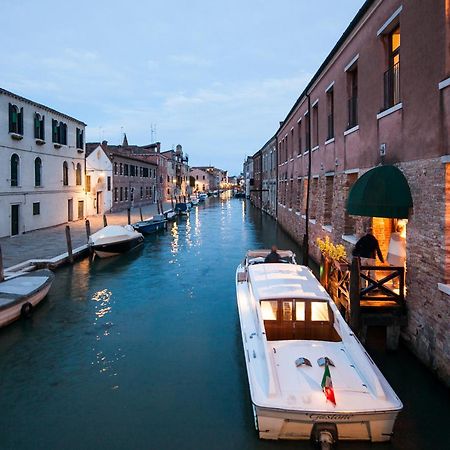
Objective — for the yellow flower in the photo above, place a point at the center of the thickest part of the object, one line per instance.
(329, 250)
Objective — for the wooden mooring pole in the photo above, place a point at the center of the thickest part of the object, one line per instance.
(140, 213)
(355, 308)
(69, 244)
(88, 229)
(105, 222)
(2, 274)
(171, 201)
(129, 216)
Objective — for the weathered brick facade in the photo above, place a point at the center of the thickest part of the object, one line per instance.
(360, 119)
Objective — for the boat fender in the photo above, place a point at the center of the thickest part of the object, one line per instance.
(26, 310)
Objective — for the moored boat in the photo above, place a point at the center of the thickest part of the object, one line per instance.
(182, 208)
(19, 295)
(152, 224)
(194, 201)
(170, 215)
(309, 376)
(202, 197)
(113, 240)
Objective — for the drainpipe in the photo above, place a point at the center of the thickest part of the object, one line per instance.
(308, 188)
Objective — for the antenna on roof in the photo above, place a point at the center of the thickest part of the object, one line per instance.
(153, 132)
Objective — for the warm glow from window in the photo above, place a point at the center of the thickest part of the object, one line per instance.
(319, 311)
(300, 311)
(269, 309)
(287, 311)
(395, 36)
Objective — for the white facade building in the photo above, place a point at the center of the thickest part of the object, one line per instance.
(42, 169)
(99, 170)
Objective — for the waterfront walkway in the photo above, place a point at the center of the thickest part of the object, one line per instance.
(50, 242)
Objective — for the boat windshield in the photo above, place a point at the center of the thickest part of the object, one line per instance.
(298, 319)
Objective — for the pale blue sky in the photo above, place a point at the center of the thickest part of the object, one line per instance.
(216, 77)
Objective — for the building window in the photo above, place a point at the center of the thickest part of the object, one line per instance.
(37, 172)
(328, 207)
(132, 194)
(79, 138)
(392, 75)
(121, 194)
(36, 209)
(142, 192)
(115, 168)
(307, 136)
(65, 174)
(349, 221)
(352, 102)
(291, 149)
(78, 175)
(15, 162)
(125, 169)
(131, 170)
(305, 195)
(88, 183)
(126, 194)
(15, 119)
(59, 132)
(120, 169)
(299, 135)
(314, 195)
(39, 126)
(291, 193)
(116, 195)
(330, 108)
(108, 183)
(315, 125)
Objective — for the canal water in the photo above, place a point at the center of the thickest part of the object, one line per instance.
(143, 351)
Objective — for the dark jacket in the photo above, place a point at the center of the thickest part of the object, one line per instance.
(272, 257)
(368, 247)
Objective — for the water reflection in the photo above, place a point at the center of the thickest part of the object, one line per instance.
(175, 237)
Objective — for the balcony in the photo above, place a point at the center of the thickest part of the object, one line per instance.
(392, 86)
(352, 108)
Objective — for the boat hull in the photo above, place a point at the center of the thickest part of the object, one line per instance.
(300, 425)
(12, 311)
(117, 248)
(150, 228)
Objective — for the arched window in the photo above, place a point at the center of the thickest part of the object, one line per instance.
(78, 175)
(15, 170)
(65, 174)
(37, 171)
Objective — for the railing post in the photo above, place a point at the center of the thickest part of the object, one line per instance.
(355, 293)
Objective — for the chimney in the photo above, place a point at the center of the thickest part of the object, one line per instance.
(104, 145)
(158, 147)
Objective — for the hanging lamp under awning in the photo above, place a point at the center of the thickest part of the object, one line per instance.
(381, 192)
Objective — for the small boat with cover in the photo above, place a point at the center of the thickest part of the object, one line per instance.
(19, 295)
(152, 224)
(113, 240)
(309, 376)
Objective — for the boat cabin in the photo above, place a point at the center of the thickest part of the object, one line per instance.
(298, 319)
(293, 304)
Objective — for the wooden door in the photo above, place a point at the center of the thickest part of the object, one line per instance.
(14, 220)
(70, 210)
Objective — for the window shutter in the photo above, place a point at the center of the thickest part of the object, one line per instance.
(43, 128)
(11, 123)
(54, 130)
(20, 122)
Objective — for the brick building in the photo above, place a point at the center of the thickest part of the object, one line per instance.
(269, 177)
(256, 187)
(381, 99)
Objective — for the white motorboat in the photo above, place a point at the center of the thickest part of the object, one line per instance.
(309, 375)
(202, 197)
(113, 240)
(19, 295)
(194, 201)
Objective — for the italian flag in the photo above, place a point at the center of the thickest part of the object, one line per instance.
(327, 385)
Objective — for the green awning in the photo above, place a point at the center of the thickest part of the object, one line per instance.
(380, 192)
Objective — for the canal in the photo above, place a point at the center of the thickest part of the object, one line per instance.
(144, 351)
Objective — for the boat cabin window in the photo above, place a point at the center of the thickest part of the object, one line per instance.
(302, 319)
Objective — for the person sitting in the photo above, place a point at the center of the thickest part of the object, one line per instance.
(273, 256)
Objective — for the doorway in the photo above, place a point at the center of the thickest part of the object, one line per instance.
(80, 209)
(99, 202)
(14, 220)
(70, 210)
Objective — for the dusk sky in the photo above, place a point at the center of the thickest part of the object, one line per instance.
(215, 77)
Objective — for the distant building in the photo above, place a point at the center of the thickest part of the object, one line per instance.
(116, 179)
(42, 170)
(177, 173)
(248, 175)
(203, 180)
(269, 177)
